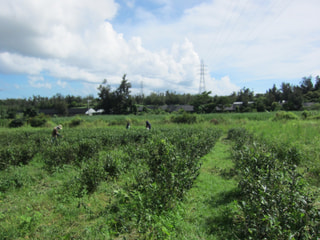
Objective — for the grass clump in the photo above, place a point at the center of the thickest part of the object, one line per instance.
(281, 115)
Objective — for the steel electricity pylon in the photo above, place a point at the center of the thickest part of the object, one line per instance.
(202, 86)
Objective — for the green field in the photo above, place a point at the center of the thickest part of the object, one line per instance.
(223, 176)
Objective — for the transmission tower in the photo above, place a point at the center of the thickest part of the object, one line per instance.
(202, 86)
(141, 88)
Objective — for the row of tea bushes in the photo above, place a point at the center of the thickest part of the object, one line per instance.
(145, 174)
(275, 202)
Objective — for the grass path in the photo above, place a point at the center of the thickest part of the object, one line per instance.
(210, 203)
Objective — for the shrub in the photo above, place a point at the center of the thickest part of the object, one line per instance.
(274, 202)
(240, 136)
(16, 155)
(184, 118)
(114, 162)
(87, 148)
(168, 176)
(57, 155)
(38, 121)
(10, 180)
(284, 116)
(305, 114)
(16, 123)
(92, 173)
(75, 122)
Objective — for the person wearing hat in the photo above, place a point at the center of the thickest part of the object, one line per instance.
(55, 133)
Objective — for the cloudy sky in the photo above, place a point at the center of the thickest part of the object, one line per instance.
(71, 46)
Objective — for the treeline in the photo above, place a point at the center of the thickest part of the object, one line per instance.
(120, 101)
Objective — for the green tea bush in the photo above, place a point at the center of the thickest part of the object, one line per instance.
(56, 156)
(240, 136)
(274, 203)
(75, 122)
(87, 148)
(288, 153)
(184, 118)
(16, 177)
(19, 122)
(38, 121)
(193, 142)
(92, 173)
(124, 211)
(315, 117)
(281, 115)
(8, 180)
(168, 176)
(88, 177)
(16, 155)
(114, 162)
(305, 114)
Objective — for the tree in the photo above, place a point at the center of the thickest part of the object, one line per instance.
(306, 85)
(272, 96)
(260, 104)
(294, 98)
(244, 96)
(30, 112)
(286, 90)
(123, 99)
(105, 101)
(222, 101)
(155, 99)
(200, 101)
(119, 101)
(61, 107)
(317, 83)
(171, 98)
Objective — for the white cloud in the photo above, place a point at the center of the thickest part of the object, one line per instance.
(221, 87)
(62, 83)
(38, 82)
(130, 3)
(15, 63)
(76, 40)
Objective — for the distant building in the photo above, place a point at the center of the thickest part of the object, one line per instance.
(170, 108)
(90, 111)
(233, 107)
(71, 111)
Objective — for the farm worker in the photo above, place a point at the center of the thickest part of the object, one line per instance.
(128, 125)
(148, 125)
(55, 133)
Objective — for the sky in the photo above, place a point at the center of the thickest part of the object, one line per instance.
(70, 46)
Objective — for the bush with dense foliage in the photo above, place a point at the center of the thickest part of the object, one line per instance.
(19, 122)
(281, 115)
(275, 203)
(38, 121)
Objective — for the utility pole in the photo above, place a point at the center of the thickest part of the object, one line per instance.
(202, 86)
(88, 102)
(141, 89)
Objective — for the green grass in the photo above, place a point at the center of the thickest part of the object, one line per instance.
(211, 200)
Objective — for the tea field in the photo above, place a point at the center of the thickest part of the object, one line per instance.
(222, 176)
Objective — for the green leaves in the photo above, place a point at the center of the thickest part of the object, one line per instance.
(275, 203)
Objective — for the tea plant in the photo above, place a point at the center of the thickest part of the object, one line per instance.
(275, 203)
(16, 155)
